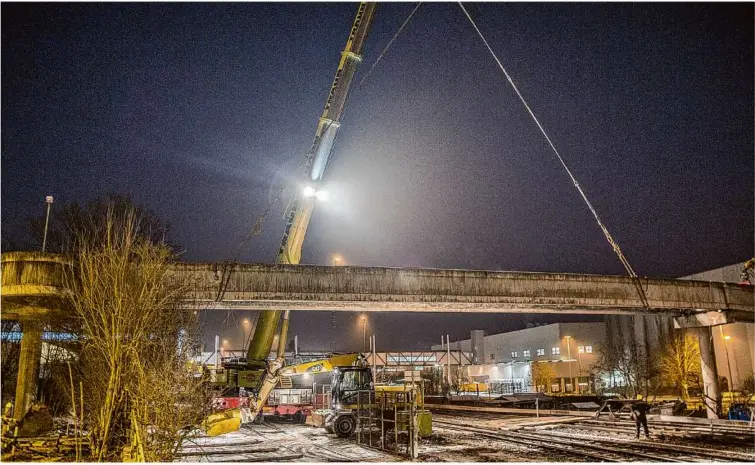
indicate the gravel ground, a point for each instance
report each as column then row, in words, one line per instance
column 453, row 446
column 620, row 435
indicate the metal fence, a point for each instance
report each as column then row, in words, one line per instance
column 388, row 421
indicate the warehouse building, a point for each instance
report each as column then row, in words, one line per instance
column 555, row 358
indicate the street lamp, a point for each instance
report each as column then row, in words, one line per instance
column 245, row 324
column 728, row 364
column 364, row 333
column 48, row 201
column 337, row 260
column 568, row 351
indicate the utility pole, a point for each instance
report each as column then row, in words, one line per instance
column 48, row 201
column 364, row 333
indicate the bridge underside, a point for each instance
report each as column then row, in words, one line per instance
column 324, row 288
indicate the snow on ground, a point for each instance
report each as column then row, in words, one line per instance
column 290, row 442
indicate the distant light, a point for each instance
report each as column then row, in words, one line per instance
column 48, row 199
column 726, row 338
column 246, row 321
column 309, row 191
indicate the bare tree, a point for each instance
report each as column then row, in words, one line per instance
column 680, row 363
column 134, row 363
column 73, row 222
column 637, row 371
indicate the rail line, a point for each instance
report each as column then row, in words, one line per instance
column 600, row 453
column 726, row 456
column 617, row 451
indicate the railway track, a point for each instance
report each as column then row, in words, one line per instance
column 610, row 451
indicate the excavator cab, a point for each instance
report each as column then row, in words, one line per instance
column 353, row 389
column 350, row 387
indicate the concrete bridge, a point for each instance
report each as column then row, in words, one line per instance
column 32, row 286
column 33, row 283
column 306, row 287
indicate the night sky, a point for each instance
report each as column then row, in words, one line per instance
column 200, row 110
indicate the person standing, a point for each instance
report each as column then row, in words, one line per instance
column 639, row 413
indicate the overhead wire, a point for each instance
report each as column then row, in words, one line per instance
column 609, row 238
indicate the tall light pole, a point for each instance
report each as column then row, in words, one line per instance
column 364, row 333
column 48, row 201
column 246, row 327
column 568, row 351
column 728, row 364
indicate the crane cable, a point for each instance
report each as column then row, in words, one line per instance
column 385, row 49
column 607, row 234
column 372, row 68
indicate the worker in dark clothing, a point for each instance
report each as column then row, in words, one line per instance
column 639, row 412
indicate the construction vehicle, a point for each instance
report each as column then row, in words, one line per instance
column 353, row 390
column 257, row 373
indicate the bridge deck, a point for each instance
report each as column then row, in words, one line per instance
column 307, row 287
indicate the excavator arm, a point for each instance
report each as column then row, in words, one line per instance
column 267, row 373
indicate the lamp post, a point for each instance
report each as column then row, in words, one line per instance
column 568, row 352
column 48, row 201
column 728, row 364
column 364, row 333
column 246, row 327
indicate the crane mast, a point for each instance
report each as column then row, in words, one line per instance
column 257, row 370
column 315, row 163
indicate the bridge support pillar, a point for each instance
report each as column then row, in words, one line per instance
column 28, row 367
column 709, row 369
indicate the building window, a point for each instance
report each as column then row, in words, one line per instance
column 555, row 350
column 581, row 349
column 492, row 357
column 540, row 351
column 588, row 349
column 514, row 354
column 527, row 353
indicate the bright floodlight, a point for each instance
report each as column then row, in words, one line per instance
column 309, row 191
column 321, row 195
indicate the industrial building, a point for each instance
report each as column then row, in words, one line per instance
column 508, row 362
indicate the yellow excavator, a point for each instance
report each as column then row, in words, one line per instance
column 256, row 372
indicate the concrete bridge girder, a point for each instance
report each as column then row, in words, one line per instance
column 306, row 287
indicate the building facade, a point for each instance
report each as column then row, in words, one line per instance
column 550, row 358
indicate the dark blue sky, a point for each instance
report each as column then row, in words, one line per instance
column 198, row 109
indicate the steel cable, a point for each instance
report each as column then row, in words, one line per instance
column 607, row 234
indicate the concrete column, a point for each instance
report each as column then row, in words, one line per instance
column 710, row 372
column 28, row 367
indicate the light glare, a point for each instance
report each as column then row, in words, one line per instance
column 309, row 191
column 321, row 195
